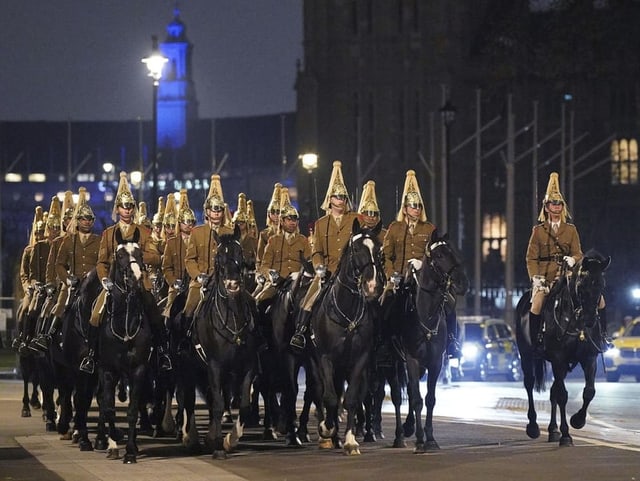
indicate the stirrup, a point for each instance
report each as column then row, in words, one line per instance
column 88, row 365
column 164, row 362
column 15, row 344
column 41, row 343
column 298, row 342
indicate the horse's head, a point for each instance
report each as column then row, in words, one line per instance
column 362, row 260
column 229, row 261
column 588, row 281
column 128, row 264
column 446, row 263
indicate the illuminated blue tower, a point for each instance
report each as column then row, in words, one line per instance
column 177, row 103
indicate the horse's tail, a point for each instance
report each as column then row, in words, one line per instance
column 540, row 374
column 403, row 379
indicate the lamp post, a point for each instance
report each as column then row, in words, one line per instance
column 310, row 163
column 155, row 63
column 448, row 115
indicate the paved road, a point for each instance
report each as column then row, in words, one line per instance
column 480, row 429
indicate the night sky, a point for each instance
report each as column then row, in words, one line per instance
column 80, row 59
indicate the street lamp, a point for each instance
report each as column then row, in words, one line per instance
column 448, row 115
column 310, row 163
column 155, row 63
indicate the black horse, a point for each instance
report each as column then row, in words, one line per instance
column 226, row 339
column 424, row 301
column 343, row 323
column 279, row 365
column 572, row 336
column 68, row 347
column 125, row 339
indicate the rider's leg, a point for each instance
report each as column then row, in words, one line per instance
column 158, row 330
column 602, row 319
column 88, row 362
column 298, row 340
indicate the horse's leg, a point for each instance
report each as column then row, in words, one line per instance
column 396, row 399
column 430, row 401
column 48, row 390
column 26, row 379
column 328, row 427
column 353, row 400
column 138, row 385
column 303, row 419
column 415, row 401
column 289, row 397
column 589, row 367
column 560, row 396
column 231, row 439
column 213, row 438
column 108, row 411
column 82, row 401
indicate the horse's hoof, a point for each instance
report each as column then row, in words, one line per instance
column 379, row 434
column 577, row 421
column 220, row 454
column 113, row 454
column 26, row 413
column 431, row 446
column 399, row 443
column 85, row 445
column 408, row 430
column 337, row 443
column 50, row 427
column 117, row 435
column 129, row 459
column 359, row 432
column 566, row 441
column 353, row 451
column 35, row 404
column 369, row 438
column 533, row 431
column 269, row 435
column 100, row 444
column 325, row 443
column 555, row 436
column 292, row 441
column 67, row 437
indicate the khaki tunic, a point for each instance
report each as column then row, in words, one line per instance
column 283, row 254
column 38, row 261
column 249, row 249
column 400, row 245
column 200, row 258
column 51, row 275
column 545, row 253
column 331, row 239
column 76, row 258
column 263, row 239
column 173, row 267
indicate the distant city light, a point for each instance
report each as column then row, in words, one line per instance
column 37, row 177
column 13, row 177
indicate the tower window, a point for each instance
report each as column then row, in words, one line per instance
column 624, row 162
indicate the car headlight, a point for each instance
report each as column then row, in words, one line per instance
column 470, row 351
column 613, row 352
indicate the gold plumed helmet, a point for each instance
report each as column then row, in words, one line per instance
column 251, row 215
column 336, row 187
column 553, row 194
column 368, row 202
column 274, row 205
column 411, row 197
column 170, row 217
column 215, row 199
column 67, row 206
column 123, row 197
column 240, row 215
column 185, row 214
column 143, row 218
column 54, row 220
column 227, row 217
column 286, row 208
column 82, row 211
column 38, row 225
column 157, row 217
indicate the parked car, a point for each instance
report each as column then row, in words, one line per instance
column 624, row 357
column 488, row 349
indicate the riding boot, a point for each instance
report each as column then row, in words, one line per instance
column 15, row 345
column 298, row 340
column 453, row 345
column 606, row 339
column 88, row 363
column 43, row 341
column 535, row 330
column 161, row 341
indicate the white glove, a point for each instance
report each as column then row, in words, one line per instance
column 395, row 279
column 202, row 278
column 260, row 279
column 321, row 271
column 274, row 275
column 177, row 284
column 416, row 264
column 570, row 261
column 538, row 282
column 107, row 283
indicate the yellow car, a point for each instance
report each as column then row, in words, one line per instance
column 624, row 357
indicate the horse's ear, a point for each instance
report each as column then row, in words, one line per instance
column 236, row 232
column 376, row 230
column 136, row 236
column 606, row 263
column 355, row 228
column 119, row 239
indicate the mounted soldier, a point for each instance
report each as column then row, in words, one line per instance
column 273, row 223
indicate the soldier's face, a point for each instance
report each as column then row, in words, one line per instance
column 215, row 216
column 169, row 229
column 413, row 211
column 370, row 220
column 289, row 224
column 125, row 212
column 274, row 215
column 186, row 227
column 85, row 224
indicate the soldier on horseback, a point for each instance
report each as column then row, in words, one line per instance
column 553, row 243
column 124, row 212
column 332, row 234
column 273, row 223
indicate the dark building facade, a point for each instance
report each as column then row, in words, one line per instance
column 538, row 86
